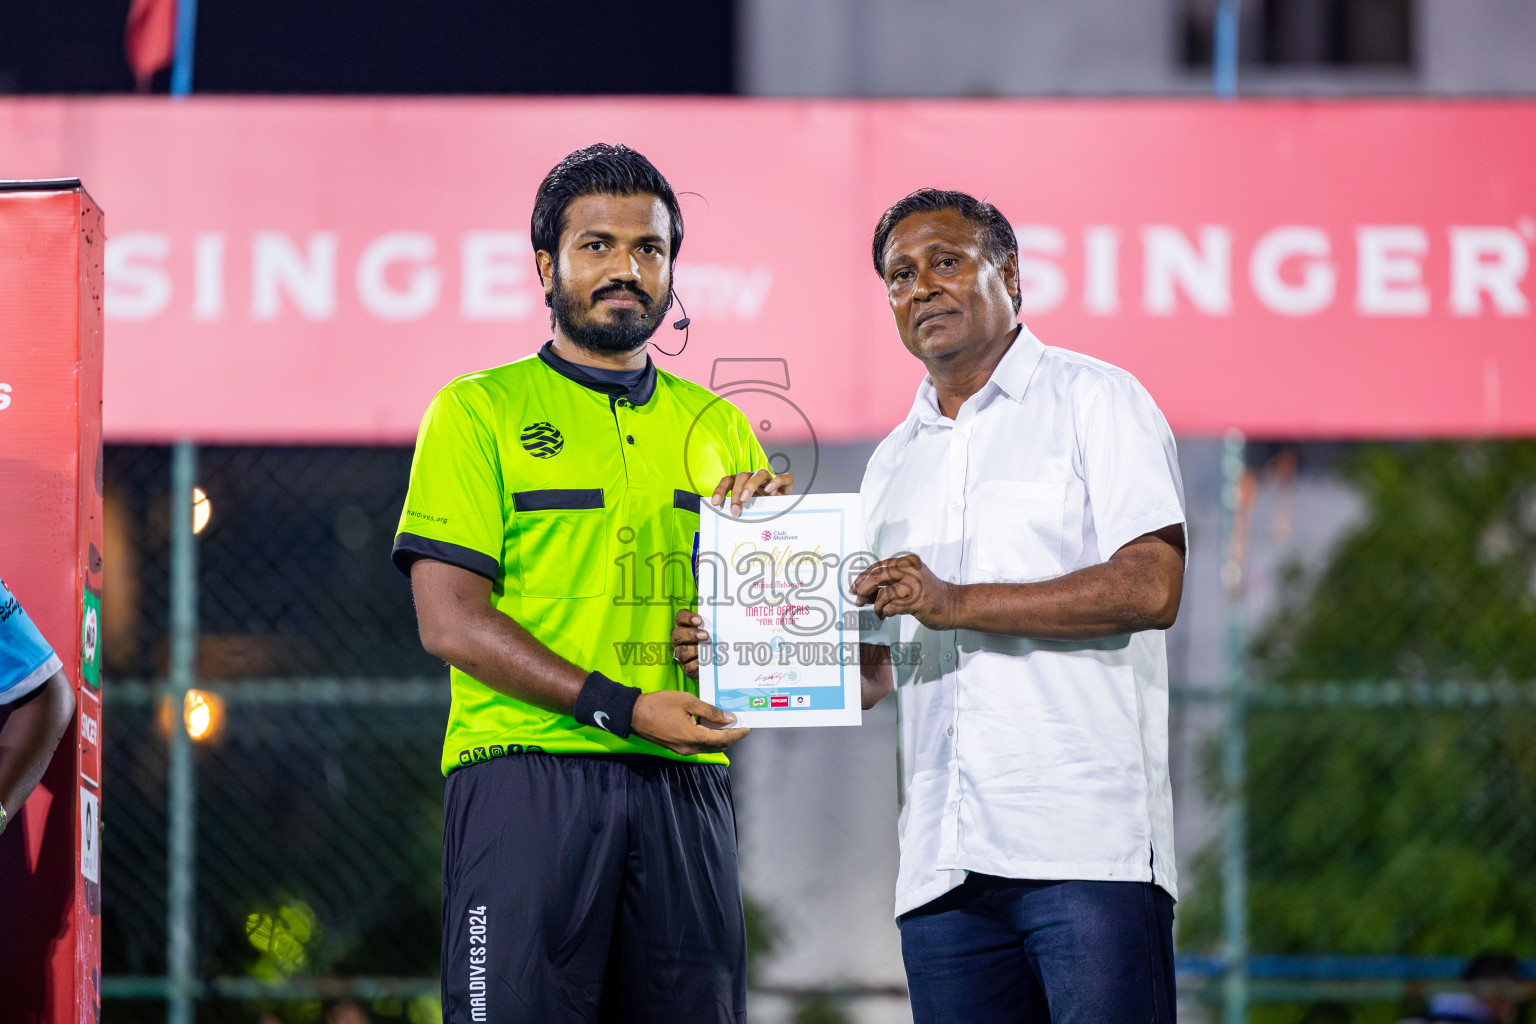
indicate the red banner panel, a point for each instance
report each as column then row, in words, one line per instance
column 310, row 270
column 50, row 556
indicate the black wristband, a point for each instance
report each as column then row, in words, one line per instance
column 605, row 704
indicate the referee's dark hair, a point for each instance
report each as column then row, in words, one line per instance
column 599, row 169
column 997, row 234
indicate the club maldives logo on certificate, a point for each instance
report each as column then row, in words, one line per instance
column 773, row 592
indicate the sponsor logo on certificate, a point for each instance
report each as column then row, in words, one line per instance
column 779, row 702
column 759, row 702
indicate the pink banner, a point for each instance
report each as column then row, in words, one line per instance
column 312, row 270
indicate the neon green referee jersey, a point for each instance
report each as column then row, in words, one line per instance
column 579, row 500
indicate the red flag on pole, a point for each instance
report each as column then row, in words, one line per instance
column 150, row 39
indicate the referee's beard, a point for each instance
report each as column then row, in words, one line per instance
column 625, row 329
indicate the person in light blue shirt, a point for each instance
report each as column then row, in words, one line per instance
column 36, row 704
column 26, row 660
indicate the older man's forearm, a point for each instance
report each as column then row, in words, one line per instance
column 1136, row 590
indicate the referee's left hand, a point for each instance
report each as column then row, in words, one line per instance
column 682, row 723
column 743, row 487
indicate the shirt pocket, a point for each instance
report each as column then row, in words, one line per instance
column 1016, row 530
column 562, row 543
column 682, row 586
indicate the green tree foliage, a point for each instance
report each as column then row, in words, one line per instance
column 1436, row 583
column 763, row 935
column 822, row 1008
column 281, row 940
column 1400, row 830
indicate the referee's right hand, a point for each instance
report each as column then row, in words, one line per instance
column 685, row 641
column 682, row 723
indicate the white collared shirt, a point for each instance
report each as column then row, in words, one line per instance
column 1028, row 758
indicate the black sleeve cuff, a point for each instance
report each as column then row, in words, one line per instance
column 606, row 704
column 409, row 547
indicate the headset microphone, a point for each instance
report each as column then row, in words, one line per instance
column 680, row 324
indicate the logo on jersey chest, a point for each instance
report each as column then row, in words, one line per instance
column 542, row 440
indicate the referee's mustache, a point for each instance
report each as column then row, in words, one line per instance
column 619, row 287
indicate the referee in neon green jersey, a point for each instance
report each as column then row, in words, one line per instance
column 589, row 849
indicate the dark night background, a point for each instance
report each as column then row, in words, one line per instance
column 386, row 46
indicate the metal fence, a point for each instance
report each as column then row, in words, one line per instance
column 1374, row 832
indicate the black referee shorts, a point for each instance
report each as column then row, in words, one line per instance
column 592, row 889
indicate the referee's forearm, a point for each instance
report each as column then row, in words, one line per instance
column 503, row 655
column 458, row 625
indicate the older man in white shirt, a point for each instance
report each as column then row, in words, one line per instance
column 1029, row 517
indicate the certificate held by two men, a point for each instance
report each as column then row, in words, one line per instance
column 773, row 593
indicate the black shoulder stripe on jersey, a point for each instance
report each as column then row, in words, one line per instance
column 557, row 500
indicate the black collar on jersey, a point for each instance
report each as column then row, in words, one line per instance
column 641, row 393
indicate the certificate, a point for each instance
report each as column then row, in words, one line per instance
column 773, row 593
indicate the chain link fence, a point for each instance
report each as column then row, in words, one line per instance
column 318, row 798
column 1385, row 716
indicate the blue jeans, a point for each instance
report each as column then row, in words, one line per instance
column 1005, row 951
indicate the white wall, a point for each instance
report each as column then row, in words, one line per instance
column 1089, row 47
column 1478, row 46
column 959, row 48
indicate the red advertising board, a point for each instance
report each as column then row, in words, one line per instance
column 50, row 555
column 313, row 269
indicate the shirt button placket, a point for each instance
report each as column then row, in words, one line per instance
column 622, row 410
column 950, row 833
column 957, row 457
column 959, row 442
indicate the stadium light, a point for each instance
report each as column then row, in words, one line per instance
column 204, row 715
column 202, row 509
